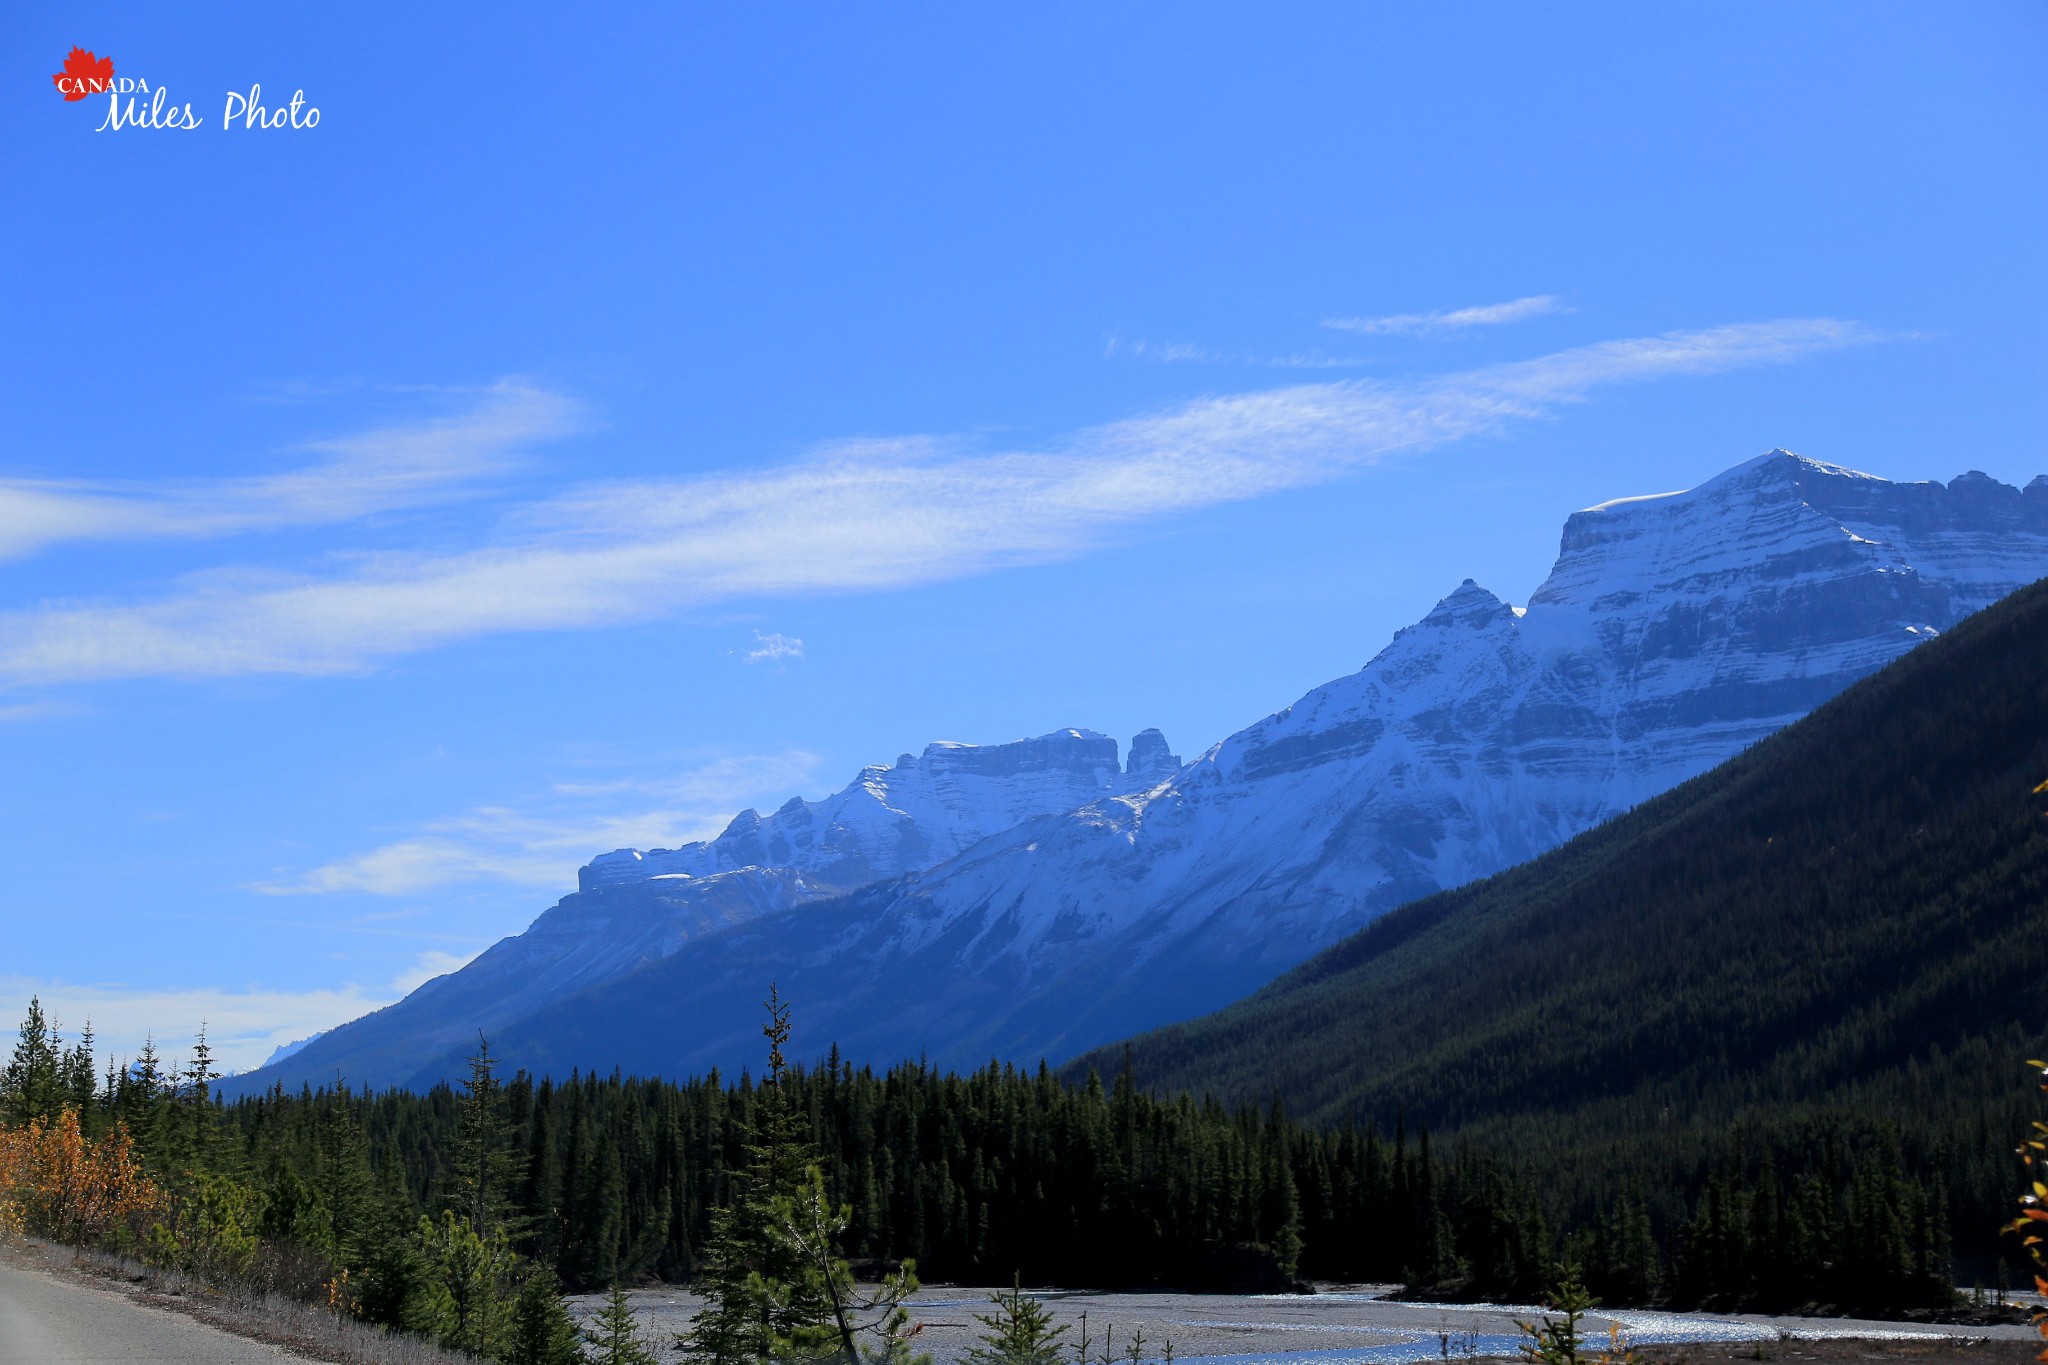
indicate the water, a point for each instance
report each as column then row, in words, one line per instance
column 1411, row 1347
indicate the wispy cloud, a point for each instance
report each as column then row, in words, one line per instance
column 1187, row 353
column 774, row 648
column 541, row 841
column 426, row 967
column 16, row 713
column 348, row 477
column 1451, row 320
column 1165, row 352
column 857, row 517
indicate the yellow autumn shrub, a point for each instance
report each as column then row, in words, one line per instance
column 56, row 1182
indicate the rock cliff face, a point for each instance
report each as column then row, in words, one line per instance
column 1031, row 899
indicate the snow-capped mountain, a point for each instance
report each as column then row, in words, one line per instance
column 633, row 907
column 1672, row 632
column 910, row 815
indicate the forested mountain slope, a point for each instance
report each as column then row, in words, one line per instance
column 1848, row 919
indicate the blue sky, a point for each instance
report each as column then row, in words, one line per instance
column 397, row 512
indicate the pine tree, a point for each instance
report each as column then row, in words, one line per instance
column 342, row 1178
column 31, row 1087
column 1019, row 1332
column 1557, row 1340
column 76, row 1081
column 543, row 1333
column 774, row 1284
column 863, row 1326
column 472, row 1289
column 752, row 1280
column 614, row 1336
column 135, row 1097
column 484, row 1167
column 200, row 1076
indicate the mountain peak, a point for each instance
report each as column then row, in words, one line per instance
column 1151, row 761
column 1672, row 632
column 1470, row 607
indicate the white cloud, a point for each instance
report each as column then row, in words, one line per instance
column 774, row 648
column 428, row 966
column 1450, row 320
column 19, row 712
column 861, row 516
column 354, row 476
column 1167, row 352
column 541, row 841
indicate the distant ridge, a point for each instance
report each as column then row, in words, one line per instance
column 1074, row 903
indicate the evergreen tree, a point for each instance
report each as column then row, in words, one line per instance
column 471, row 1287
column 860, row 1327
column 32, row 1088
column 543, row 1333
column 1557, row 1340
column 342, row 1179
column 136, row 1092
column 1019, row 1332
column 757, row 1294
column 484, row 1166
column 394, row 1285
column 614, row 1336
column 76, row 1082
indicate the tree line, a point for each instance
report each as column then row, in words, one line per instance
column 1002, row 1173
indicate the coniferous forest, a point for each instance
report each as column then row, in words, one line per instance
column 1007, row 1173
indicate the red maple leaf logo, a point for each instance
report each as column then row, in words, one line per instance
column 84, row 74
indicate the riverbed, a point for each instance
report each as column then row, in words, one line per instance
column 1344, row 1325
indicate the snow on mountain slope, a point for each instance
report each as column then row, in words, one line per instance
column 634, row 907
column 909, row 815
column 1672, row 632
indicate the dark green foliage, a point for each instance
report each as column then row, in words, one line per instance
column 614, row 1336
column 1002, row 1171
column 1840, row 929
column 969, row 1175
column 1559, row 1339
column 759, row 1302
column 1019, row 1332
column 33, row 1085
column 775, row 1284
column 543, row 1333
column 485, row 1165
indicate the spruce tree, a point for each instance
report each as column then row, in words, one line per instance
column 484, row 1167
column 1558, row 1340
column 753, row 1281
column 774, row 1284
column 1019, row 1332
column 856, row 1325
column 77, row 1083
column 135, row 1097
column 614, row 1335
column 342, row 1178
column 542, row 1332
column 31, row 1087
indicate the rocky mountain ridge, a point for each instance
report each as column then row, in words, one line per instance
column 1672, row 632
